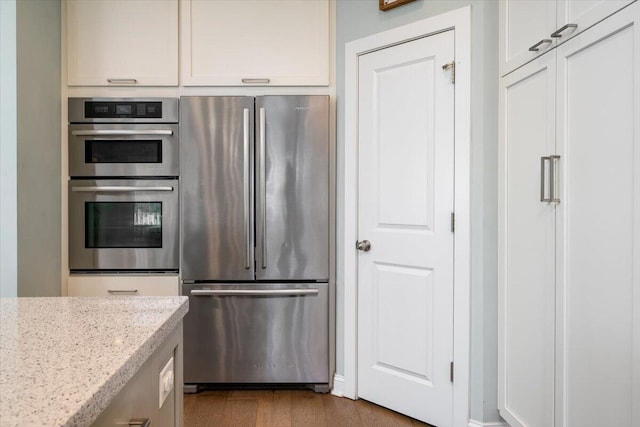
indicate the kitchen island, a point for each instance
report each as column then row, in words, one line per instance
column 90, row 360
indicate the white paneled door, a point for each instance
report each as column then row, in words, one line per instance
column 406, row 194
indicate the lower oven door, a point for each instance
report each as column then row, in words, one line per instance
column 124, row 225
column 256, row 333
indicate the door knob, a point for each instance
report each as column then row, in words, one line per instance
column 363, row 245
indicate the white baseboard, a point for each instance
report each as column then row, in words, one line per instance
column 474, row 423
column 338, row 385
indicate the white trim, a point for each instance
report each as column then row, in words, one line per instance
column 338, row 386
column 474, row 423
column 460, row 21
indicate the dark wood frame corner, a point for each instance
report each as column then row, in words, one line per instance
column 391, row 4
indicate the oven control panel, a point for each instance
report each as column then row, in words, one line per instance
column 115, row 110
column 123, row 110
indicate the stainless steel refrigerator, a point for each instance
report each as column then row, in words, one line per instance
column 255, row 239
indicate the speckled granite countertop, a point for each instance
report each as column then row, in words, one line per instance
column 62, row 360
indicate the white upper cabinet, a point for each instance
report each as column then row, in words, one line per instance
column 525, row 33
column 530, row 28
column 122, row 43
column 255, row 42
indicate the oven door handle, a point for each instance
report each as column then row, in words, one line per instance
column 121, row 132
column 117, row 189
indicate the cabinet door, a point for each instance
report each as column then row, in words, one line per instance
column 523, row 25
column 118, row 42
column 255, row 42
column 598, row 276
column 583, row 14
column 526, row 247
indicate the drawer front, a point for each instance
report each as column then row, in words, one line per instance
column 94, row 286
column 257, row 333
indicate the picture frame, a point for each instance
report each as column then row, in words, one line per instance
column 385, row 5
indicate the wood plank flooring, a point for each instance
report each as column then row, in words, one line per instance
column 285, row 408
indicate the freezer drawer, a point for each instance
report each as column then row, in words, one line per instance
column 256, row 333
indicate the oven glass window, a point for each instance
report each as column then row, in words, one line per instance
column 123, row 224
column 138, row 151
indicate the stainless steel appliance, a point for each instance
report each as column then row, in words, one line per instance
column 255, row 239
column 123, row 186
column 123, row 137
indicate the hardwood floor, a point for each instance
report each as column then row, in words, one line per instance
column 285, row 408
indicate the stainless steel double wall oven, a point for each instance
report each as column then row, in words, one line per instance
column 123, row 186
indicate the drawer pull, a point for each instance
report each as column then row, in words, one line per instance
column 123, row 81
column 536, row 47
column 558, row 33
column 256, row 81
column 122, row 291
column 141, row 422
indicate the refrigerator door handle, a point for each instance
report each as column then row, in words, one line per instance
column 253, row 292
column 263, row 187
column 247, row 194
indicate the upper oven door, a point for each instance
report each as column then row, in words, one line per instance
column 123, row 150
column 123, row 224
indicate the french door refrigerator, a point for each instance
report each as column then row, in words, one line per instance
column 255, row 239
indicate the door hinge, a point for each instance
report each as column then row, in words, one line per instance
column 451, row 372
column 451, row 66
column 453, row 222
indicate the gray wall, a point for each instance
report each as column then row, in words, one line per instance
column 39, row 153
column 360, row 18
column 8, row 210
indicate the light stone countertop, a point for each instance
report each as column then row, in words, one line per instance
column 62, row 360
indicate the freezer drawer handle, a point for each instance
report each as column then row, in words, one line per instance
column 117, row 189
column 121, row 132
column 253, row 292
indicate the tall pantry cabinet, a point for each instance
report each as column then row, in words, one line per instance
column 569, row 238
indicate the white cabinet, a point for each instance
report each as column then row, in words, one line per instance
column 255, row 42
column 140, row 399
column 569, row 270
column 527, row 273
column 122, row 42
column 93, row 285
column 529, row 28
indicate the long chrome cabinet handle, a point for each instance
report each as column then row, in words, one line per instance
column 125, row 81
column 558, row 33
column 553, row 185
column 247, row 195
column 117, row 189
column 536, row 47
column 251, row 292
column 263, row 186
column 122, row 291
column 120, row 132
column 543, row 161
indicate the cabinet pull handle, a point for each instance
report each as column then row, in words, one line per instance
column 558, row 33
column 543, row 160
column 123, row 81
column 256, row 81
column 122, row 291
column 141, row 422
column 553, row 190
column 536, row 47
